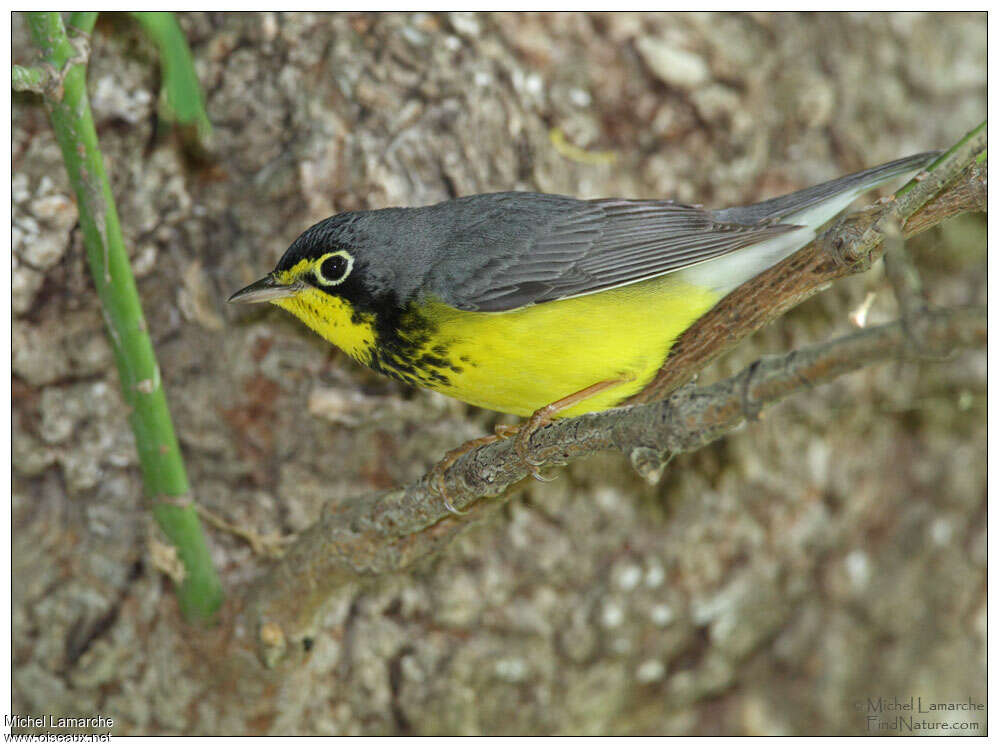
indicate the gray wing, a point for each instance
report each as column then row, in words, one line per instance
column 590, row 246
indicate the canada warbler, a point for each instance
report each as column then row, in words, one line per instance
column 531, row 303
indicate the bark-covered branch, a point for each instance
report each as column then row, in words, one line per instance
column 387, row 532
column 384, row 533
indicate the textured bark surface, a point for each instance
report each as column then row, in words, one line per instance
column 831, row 553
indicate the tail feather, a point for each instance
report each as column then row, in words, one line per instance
column 786, row 207
column 809, row 209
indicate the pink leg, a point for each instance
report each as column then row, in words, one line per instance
column 544, row 416
column 538, row 420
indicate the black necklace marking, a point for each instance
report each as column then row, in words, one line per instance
column 402, row 335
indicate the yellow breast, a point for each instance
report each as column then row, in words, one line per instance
column 522, row 360
column 519, row 361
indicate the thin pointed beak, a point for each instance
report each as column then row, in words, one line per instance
column 265, row 289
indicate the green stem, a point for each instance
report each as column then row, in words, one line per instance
column 183, row 102
column 978, row 132
column 83, row 20
column 163, row 473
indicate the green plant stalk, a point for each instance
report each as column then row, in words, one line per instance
column 979, row 132
column 83, row 20
column 164, row 476
column 184, row 102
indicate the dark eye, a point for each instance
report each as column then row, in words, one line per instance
column 334, row 268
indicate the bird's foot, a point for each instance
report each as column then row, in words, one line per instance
column 544, row 416
column 436, row 478
column 522, row 445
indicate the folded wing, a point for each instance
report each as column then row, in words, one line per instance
column 595, row 245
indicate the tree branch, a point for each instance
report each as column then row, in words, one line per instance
column 371, row 536
column 385, row 533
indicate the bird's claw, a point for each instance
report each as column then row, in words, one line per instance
column 436, row 479
column 522, row 446
column 436, row 482
column 538, row 475
column 450, row 507
column 437, row 486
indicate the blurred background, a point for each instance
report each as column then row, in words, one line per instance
column 770, row 583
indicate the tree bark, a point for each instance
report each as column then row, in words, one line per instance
column 771, row 580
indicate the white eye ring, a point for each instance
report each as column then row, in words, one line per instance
column 317, row 269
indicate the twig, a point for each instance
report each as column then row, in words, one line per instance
column 271, row 545
column 903, row 276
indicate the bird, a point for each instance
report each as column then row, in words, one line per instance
column 538, row 305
